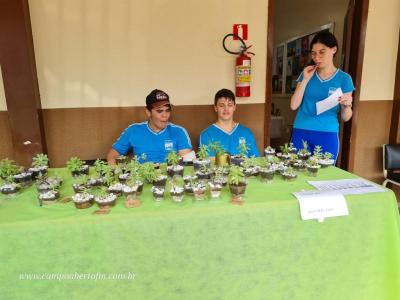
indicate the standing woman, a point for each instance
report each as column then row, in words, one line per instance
column 314, row 84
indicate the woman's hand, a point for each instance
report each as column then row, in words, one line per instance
column 346, row 100
column 298, row 94
column 308, row 72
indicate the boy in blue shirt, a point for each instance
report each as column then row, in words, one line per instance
column 225, row 130
column 156, row 137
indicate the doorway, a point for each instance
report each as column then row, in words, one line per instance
column 287, row 20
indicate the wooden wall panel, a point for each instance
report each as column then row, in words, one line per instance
column 90, row 132
column 21, row 88
column 6, row 144
column 372, row 132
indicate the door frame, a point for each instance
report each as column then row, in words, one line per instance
column 358, row 30
column 394, row 135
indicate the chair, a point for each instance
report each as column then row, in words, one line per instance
column 391, row 164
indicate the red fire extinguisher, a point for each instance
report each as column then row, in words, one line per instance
column 243, row 75
column 243, row 68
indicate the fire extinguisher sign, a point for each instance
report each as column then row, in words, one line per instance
column 240, row 30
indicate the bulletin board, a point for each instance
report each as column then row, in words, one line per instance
column 290, row 58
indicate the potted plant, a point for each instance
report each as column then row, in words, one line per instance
column 267, row 172
column 326, row 160
column 297, row 163
column 292, row 148
column 289, row 174
column 220, row 179
column 134, row 183
column 221, row 157
column 84, row 199
column 215, row 189
column 177, row 188
column 77, row 166
column 45, row 184
column 104, row 199
column 160, row 179
column 312, row 167
column 189, row 181
column 204, row 173
column 113, row 186
column 148, row 172
column 40, row 165
column 55, row 180
column 24, row 178
column 250, row 167
column 130, row 190
column 49, row 196
column 304, row 153
column 9, row 187
column 152, row 175
column 7, row 168
column 174, row 168
column 80, row 184
column 136, row 175
column 269, row 151
column 158, row 192
column 221, row 175
column 202, row 158
column 243, row 149
column 98, row 167
column 199, row 190
column 189, row 178
column 237, row 183
column 126, row 169
column 285, row 152
column 317, row 153
column 122, row 159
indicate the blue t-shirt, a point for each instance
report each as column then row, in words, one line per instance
column 317, row 90
column 156, row 145
column 230, row 141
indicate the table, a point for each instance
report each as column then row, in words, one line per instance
column 205, row 250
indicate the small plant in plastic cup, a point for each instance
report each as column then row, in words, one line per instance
column 312, row 167
column 158, row 193
column 177, row 188
column 215, row 189
column 199, row 191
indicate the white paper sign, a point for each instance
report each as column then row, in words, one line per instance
column 329, row 102
column 347, row 186
column 319, row 205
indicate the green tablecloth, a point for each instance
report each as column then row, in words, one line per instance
column 208, row 250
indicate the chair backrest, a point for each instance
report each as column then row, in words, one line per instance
column 391, row 155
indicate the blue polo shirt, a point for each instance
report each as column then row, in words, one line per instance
column 317, row 90
column 230, row 141
column 156, row 145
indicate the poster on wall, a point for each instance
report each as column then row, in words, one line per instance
column 277, row 68
column 289, row 60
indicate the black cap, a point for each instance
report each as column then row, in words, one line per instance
column 157, row 98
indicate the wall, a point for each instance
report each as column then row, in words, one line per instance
column 111, row 53
column 295, row 18
column 380, row 52
column 377, row 87
column 98, row 59
column 5, row 130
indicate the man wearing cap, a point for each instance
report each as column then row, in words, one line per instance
column 156, row 137
column 225, row 130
